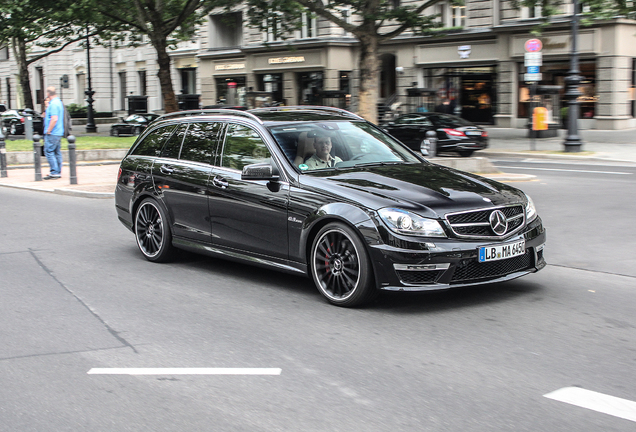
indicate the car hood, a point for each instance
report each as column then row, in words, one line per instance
column 428, row 189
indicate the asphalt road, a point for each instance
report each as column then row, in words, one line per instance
column 76, row 295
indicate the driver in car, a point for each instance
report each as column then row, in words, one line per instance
column 322, row 158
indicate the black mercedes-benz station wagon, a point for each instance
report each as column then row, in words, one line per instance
column 323, row 192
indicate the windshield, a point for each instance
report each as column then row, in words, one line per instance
column 338, row 144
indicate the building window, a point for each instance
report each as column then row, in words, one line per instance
column 122, row 90
column 531, row 12
column 309, row 27
column 274, row 29
column 143, row 83
column 226, row 30
column 4, row 53
column 451, row 15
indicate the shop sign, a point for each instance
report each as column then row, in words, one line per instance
column 229, row 66
column 464, row 51
column 286, row 60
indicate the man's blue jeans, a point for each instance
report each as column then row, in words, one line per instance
column 53, row 153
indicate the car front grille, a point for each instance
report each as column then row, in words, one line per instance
column 476, row 223
column 473, row 270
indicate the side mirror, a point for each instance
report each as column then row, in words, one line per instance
column 260, row 171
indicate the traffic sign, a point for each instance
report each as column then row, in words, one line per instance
column 533, row 69
column 533, row 45
column 533, row 77
column 533, row 59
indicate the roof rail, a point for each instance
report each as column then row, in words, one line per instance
column 340, row 111
column 211, row 111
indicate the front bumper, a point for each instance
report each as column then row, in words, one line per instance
column 449, row 263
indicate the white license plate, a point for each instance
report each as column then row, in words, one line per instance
column 473, row 133
column 504, row 251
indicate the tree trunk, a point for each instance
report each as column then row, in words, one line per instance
column 165, row 80
column 369, row 77
column 20, row 53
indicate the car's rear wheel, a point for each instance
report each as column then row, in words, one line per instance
column 137, row 131
column 466, row 153
column 153, row 232
column 13, row 130
column 340, row 266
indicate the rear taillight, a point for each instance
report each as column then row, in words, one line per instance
column 484, row 133
column 21, row 119
column 454, row 132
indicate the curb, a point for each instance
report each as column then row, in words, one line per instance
column 530, row 155
column 84, row 194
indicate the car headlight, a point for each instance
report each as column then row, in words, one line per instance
column 531, row 210
column 405, row 222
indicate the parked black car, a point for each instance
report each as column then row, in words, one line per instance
column 13, row 121
column 454, row 134
column 134, row 124
column 239, row 185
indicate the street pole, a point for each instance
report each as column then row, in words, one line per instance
column 90, row 121
column 573, row 141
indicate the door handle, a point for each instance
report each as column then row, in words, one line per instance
column 166, row 169
column 220, row 182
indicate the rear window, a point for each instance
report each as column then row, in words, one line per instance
column 448, row 120
column 152, row 143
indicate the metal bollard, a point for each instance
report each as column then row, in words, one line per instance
column 72, row 158
column 37, row 157
column 3, row 156
column 429, row 144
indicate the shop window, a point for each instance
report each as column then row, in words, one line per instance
column 554, row 73
column 231, row 91
column 226, row 30
column 272, row 84
column 310, row 86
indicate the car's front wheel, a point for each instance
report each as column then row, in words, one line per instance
column 340, row 266
column 153, row 232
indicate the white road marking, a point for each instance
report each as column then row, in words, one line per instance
column 185, row 371
column 565, row 170
column 599, row 402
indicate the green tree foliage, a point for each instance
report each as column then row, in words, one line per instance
column 372, row 23
column 35, row 29
column 164, row 22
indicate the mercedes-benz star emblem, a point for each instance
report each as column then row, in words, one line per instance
column 498, row 222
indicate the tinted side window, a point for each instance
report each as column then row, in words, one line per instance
column 243, row 146
column 171, row 150
column 200, row 143
column 152, row 144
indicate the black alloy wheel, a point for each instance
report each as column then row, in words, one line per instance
column 340, row 266
column 13, row 130
column 136, row 131
column 152, row 232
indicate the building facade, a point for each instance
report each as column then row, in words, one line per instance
column 477, row 63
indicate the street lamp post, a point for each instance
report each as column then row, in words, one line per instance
column 90, row 121
column 573, row 141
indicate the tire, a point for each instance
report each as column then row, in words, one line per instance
column 466, row 153
column 152, row 232
column 136, row 131
column 340, row 266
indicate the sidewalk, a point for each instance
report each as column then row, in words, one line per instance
column 97, row 179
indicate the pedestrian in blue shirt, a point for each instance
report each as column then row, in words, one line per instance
column 53, row 133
